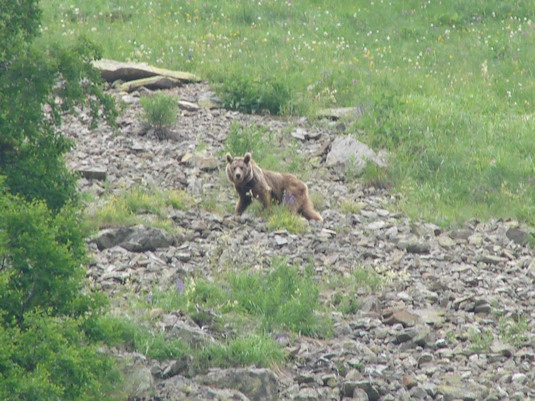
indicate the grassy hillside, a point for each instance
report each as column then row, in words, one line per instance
column 448, row 86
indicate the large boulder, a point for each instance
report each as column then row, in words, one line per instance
column 346, row 152
column 112, row 70
column 135, row 239
column 256, row 384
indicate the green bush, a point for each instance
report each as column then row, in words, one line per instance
column 41, row 255
column 283, row 298
column 44, row 312
column 48, row 359
column 159, row 110
column 31, row 145
column 45, row 353
column 249, row 95
column 133, row 336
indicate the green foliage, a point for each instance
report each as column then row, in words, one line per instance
column 350, row 206
column 368, row 279
column 514, row 331
column 283, row 298
column 252, row 349
column 44, row 310
column 129, row 207
column 249, row 95
column 159, row 110
column 480, row 340
column 281, row 218
column 252, row 138
column 40, row 255
column 133, row 336
column 31, row 145
column 47, row 359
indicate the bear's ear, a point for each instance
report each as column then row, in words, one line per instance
column 229, row 158
column 247, row 158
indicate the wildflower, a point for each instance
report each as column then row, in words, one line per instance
column 179, row 285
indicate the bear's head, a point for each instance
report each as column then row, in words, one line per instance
column 239, row 169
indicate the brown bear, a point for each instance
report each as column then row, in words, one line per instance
column 251, row 182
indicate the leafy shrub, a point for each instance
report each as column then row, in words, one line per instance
column 249, row 95
column 41, row 255
column 45, row 360
column 45, row 353
column 159, row 110
column 283, row 298
column 479, row 340
column 31, row 145
column 514, row 330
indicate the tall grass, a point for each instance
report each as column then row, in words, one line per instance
column 448, row 87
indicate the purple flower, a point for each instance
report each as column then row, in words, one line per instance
column 288, row 199
column 179, row 285
column 149, row 298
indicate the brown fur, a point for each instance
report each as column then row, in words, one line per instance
column 268, row 186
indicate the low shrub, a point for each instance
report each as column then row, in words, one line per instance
column 250, row 95
column 159, row 110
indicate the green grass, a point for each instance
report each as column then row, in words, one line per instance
column 241, row 310
column 136, row 205
column 285, row 298
column 281, row 218
column 265, row 148
column 447, row 87
column 160, row 110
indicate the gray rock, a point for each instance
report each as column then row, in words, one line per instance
column 518, row 236
column 347, row 152
column 307, row 394
column 360, row 395
column 351, row 113
column 93, row 173
column 112, row 70
column 492, row 259
column 144, row 239
column 111, row 237
column 416, row 246
column 138, row 380
column 256, row 384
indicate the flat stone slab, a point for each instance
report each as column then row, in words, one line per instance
column 112, row 70
column 156, row 82
column 341, row 112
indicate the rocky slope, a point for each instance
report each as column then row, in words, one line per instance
column 418, row 338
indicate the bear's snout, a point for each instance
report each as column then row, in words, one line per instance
column 238, row 175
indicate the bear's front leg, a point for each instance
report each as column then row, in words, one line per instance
column 243, row 202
